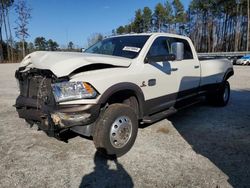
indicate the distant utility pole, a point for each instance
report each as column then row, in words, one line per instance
column 248, row 25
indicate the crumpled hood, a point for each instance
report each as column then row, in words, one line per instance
column 64, row 63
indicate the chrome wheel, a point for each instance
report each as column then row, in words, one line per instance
column 120, row 132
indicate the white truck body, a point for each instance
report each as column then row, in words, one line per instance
column 157, row 85
column 136, row 71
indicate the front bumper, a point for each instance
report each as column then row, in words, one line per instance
column 56, row 118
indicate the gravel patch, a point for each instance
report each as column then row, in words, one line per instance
column 201, row 146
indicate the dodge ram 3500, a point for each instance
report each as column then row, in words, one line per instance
column 116, row 84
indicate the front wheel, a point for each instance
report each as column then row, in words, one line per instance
column 221, row 97
column 116, row 130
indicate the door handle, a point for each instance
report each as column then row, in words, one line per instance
column 174, row 69
column 196, row 66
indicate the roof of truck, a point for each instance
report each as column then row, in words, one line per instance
column 150, row 34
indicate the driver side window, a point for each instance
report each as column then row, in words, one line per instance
column 160, row 47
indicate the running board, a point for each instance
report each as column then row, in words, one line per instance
column 188, row 104
column 170, row 111
column 159, row 116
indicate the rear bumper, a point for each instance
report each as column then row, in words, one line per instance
column 54, row 119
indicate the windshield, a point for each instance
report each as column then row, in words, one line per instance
column 123, row 46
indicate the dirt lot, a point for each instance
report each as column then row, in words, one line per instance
column 202, row 146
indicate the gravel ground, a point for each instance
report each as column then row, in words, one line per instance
column 201, row 146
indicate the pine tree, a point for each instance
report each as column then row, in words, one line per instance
column 179, row 14
column 120, row 30
column 138, row 21
column 160, row 14
column 40, row 43
column 146, row 17
column 169, row 15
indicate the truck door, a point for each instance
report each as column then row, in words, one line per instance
column 188, row 71
column 168, row 81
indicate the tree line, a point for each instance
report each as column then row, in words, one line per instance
column 42, row 44
column 14, row 51
column 213, row 25
column 9, row 49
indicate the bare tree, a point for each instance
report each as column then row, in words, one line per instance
column 94, row 38
column 11, row 38
column 1, row 37
column 4, row 20
column 22, row 21
column 237, row 33
column 248, row 17
column 5, row 27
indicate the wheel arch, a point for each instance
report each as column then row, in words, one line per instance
column 228, row 74
column 126, row 90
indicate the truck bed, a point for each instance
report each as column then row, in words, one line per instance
column 204, row 58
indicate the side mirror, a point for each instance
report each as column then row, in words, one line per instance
column 178, row 50
column 159, row 58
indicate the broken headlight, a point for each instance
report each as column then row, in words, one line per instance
column 65, row 91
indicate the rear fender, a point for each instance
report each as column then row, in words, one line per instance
column 228, row 74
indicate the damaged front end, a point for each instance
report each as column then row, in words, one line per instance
column 37, row 105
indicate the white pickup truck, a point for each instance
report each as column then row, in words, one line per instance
column 116, row 84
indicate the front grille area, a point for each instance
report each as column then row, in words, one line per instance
column 36, row 101
column 23, row 86
column 36, row 87
column 39, row 88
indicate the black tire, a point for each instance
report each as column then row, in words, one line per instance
column 221, row 96
column 117, row 121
